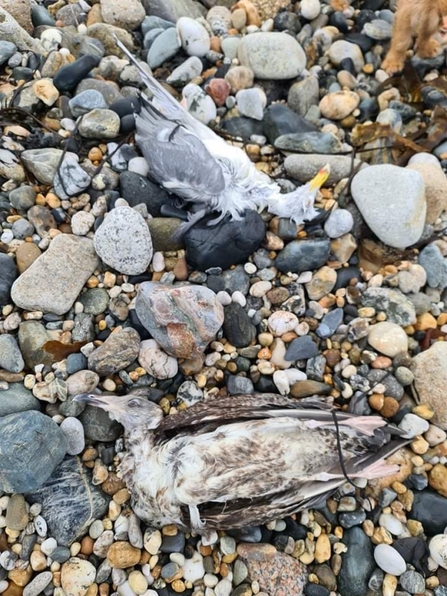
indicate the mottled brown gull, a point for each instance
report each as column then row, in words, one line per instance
column 241, row 460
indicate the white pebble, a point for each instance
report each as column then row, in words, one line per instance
column 48, row 546
column 193, row 568
column 391, row 523
column 310, row 9
column 250, row 268
column 281, row 322
column 41, row 525
column 239, row 298
column 138, row 165
column 193, row 37
column 438, row 550
column 224, row 298
column 413, row 426
column 81, row 222
column 389, row 560
column 281, row 381
column 260, row 288
column 74, row 432
column 158, row 262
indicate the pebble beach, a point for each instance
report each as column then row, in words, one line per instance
column 350, row 307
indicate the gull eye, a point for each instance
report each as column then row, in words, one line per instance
column 133, row 403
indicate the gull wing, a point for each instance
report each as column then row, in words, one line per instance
column 177, row 158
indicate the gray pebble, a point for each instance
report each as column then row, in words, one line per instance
column 38, row 584
column 74, row 432
column 339, row 223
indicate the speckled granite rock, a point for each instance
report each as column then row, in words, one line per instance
column 278, row 574
column 183, row 320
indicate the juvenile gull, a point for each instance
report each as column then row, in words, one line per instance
column 191, row 161
column 242, row 460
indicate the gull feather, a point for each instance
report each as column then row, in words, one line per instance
column 241, row 460
column 191, row 161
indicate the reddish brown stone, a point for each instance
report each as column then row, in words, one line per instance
column 219, row 90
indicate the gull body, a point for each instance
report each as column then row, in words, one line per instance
column 191, row 161
column 240, row 460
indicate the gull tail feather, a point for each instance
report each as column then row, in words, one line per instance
column 162, row 100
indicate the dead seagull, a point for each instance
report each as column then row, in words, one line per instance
column 242, row 460
column 191, row 161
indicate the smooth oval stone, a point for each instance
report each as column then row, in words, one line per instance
column 392, row 201
column 388, row 559
column 69, row 76
column 225, row 244
column 238, row 328
column 356, row 571
column 183, row 320
column 303, row 255
column 32, row 445
column 274, row 56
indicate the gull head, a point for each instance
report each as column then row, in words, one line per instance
column 132, row 411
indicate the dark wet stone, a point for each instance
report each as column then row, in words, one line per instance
column 281, row 120
column 345, row 275
column 237, row 385
column 349, row 519
column 356, row 570
column 8, row 273
column 76, row 362
column 70, row 502
column 60, row 554
column 69, row 76
column 303, row 255
column 32, row 445
column 40, row 16
column 95, row 301
column 28, row 542
column 316, row 590
column 302, row 348
column 243, row 127
column 413, row 550
column 248, row 534
column 225, row 244
column 136, row 189
column 430, row 509
column 330, row 322
column 287, row 21
column 359, row 39
column 417, row 481
column 308, row 142
column 230, row 281
column 17, row 399
column 98, row 426
column 338, row 19
column 265, row 384
column 173, row 544
column 238, row 328
column 7, row 49
column 124, row 107
column 392, row 386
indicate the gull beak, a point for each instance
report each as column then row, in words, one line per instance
column 320, row 178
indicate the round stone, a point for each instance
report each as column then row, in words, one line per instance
column 193, row 37
column 389, row 560
column 74, row 431
column 388, row 338
column 339, row 223
column 438, row 550
column 339, row 104
column 123, row 241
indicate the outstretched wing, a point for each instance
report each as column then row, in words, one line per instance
column 177, row 158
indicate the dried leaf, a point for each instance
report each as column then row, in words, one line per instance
column 60, row 351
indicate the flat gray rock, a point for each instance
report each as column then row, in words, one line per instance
column 31, row 445
column 123, row 241
column 70, row 502
column 276, row 56
column 392, row 201
column 71, row 179
column 305, row 167
column 42, row 163
column 119, row 350
column 53, row 282
column 398, row 308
